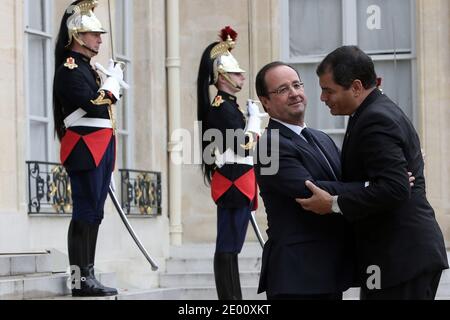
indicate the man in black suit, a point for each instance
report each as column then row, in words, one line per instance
column 307, row 256
column 400, row 248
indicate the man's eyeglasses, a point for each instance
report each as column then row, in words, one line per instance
column 284, row 90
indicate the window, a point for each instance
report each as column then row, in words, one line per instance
column 123, row 47
column 382, row 28
column 38, row 77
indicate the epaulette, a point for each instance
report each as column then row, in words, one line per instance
column 218, row 101
column 70, row 63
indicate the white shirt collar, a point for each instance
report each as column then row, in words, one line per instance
column 293, row 127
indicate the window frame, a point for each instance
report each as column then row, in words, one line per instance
column 127, row 58
column 350, row 37
column 47, row 35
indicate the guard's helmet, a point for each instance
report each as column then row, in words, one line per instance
column 82, row 19
column 216, row 60
column 223, row 60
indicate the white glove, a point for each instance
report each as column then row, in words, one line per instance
column 112, row 85
column 254, row 117
column 115, row 78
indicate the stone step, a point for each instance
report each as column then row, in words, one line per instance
column 42, row 285
column 248, row 293
column 202, row 279
column 22, row 264
column 33, row 286
column 193, row 293
column 204, row 293
column 178, row 265
column 70, row 298
column 199, row 251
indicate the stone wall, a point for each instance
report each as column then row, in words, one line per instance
column 433, row 64
column 200, row 26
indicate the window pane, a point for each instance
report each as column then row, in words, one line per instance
column 36, row 14
column 387, row 26
column 38, row 141
column 121, row 114
column 120, row 27
column 397, row 83
column 36, row 76
column 121, row 151
column 338, row 138
column 315, row 26
column 317, row 114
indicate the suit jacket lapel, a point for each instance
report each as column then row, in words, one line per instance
column 333, row 161
column 303, row 145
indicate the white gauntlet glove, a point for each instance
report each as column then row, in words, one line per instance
column 115, row 78
column 254, row 117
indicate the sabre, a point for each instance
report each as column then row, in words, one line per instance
column 127, row 224
column 257, row 231
column 111, row 191
column 111, row 37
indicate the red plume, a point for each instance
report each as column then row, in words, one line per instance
column 228, row 31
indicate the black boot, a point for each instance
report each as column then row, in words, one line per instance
column 79, row 247
column 226, row 273
column 93, row 233
column 236, row 278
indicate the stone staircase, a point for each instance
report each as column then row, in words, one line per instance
column 29, row 276
column 188, row 276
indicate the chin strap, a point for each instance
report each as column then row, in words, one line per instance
column 81, row 43
column 229, row 80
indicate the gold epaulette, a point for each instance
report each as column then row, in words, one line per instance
column 70, row 63
column 218, row 101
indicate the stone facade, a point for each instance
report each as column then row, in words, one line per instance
column 200, row 21
column 433, row 81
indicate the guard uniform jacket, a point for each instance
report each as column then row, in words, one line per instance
column 77, row 86
column 233, row 185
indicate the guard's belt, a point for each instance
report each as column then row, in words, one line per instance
column 76, row 119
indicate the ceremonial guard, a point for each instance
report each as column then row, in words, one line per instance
column 84, row 124
column 229, row 170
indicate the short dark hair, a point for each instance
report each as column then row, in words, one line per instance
column 260, row 83
column 349, row 63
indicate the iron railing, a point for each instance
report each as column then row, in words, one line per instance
column 141, row 192
column 49, row 190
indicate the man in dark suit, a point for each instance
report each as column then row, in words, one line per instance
column 400, row 248
column 307, row 256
